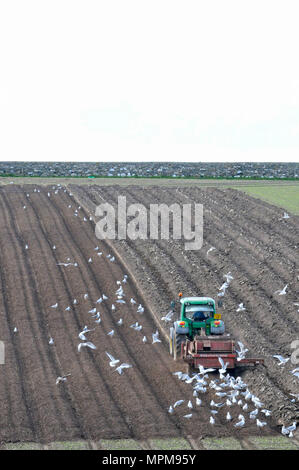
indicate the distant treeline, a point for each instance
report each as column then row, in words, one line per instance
column 206, row 177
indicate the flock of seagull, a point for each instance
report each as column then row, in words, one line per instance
column 232, row 392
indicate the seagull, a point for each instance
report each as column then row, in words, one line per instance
column 113, row 361
column 121, row 367
column 133, row 301
column 168, row 317
column 85, row 296
column 223, row 367
column 120, row 321
column 242, row 352
column 75, row 301
column 178, row 403
column 295, row 372
column 283, row 291
column 285, row 215
column 203, row 371
column 257, row 402
column 155, row 337
column 281, row 359
column 241, row 422
column 170, row 409
column 26, row 247
column 212, row 420
column 88, row 344
column 54, row 306
column 111, row 333
column 188, row 416
column 93, row 310
column 62, row 379
column 51, row 341
column 104, row 297
column 140, row 309
column 112, row 259
column 90, row 260
column 67, row 309
column 144, row 339
column 228, row 416
column 241, row 308
column 99, row 301
column 190, row 404
column 113, row 307
column 15, row 329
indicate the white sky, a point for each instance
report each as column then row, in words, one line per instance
column 154, row 80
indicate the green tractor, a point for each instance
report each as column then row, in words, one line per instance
column 198, row 317
column 198, row 336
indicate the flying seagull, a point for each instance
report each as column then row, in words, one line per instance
column 88, row 344
column 283, row 291
column 113, row 361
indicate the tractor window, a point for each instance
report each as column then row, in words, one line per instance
column 200, row 312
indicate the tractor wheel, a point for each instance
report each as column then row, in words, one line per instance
column 177, row 345
column 217, row 330
column 171, row 341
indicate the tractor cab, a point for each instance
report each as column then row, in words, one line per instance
column 199, row 313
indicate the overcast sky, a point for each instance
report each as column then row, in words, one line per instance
column 149, row 80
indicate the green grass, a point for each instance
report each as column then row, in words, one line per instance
column 119, row 444
column 69, row 445
column 170, row 444
column 227, row 443
column 23, row 446
column 273, row 443
column 286, row 197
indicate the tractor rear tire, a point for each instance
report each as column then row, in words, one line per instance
column 177, row 345
column 217, row 330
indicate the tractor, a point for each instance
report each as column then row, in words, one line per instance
column 199, row 338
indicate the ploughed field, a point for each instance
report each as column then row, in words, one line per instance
column 40, row 299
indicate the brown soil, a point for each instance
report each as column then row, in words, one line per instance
column 96, row 402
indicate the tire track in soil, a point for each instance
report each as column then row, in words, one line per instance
column 45, row 354
column 252, row 325
column 24, row 381
column 248, row 270
column 288, row 323
column 93, row 388
column 164, row 248
column 68, row 410
column 164, row 411
column 130, row 352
